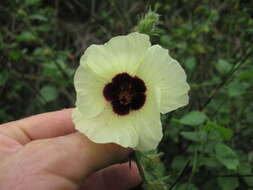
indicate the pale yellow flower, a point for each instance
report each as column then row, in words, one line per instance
column 122, row 87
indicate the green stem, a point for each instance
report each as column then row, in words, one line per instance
column 137, row 158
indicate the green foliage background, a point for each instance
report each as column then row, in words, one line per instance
column 208, row 144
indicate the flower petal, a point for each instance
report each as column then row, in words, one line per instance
column 151, row 134
column 89, row 88
column 107, row 128
column 120, row 54
column 160, row 70
column 147, row 123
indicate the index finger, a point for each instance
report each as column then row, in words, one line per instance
column 46, row 125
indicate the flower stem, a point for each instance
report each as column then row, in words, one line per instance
column 137, row 158
column 152, row 170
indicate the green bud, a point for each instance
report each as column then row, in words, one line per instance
column 147, row 24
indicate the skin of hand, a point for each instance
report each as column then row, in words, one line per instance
column 45, row 152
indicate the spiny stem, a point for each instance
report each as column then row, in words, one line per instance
column 139, row 165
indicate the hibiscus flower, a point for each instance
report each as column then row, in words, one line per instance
column 122, row 87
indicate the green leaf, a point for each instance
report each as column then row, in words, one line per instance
column 228, row 183
column 39, row 17
column 199, row 48
column 247, row 75
column 223, row 66
column 32, row 2
column 179, row 162
column 211, row 162
column 190, row 63
column 186, row 187
column 245, row 169
column 193, row 118
column 1, row 41
column 225, row 133
column 15, row 55
column 226, row 156
column 26, row 36
column 198, row 136
column 49, row 93
column 165, row 41
column 210, row 184
column 3, row 77
column 236, row 89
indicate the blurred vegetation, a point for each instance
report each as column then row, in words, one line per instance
column 208, row 144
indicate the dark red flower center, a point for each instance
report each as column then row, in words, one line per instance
column 125, row 93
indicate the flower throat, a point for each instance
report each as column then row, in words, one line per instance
column 125, row 93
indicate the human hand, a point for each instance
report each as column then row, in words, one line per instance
column 44, row 152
